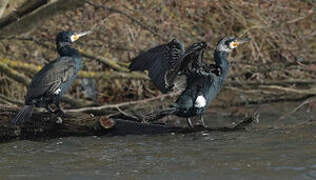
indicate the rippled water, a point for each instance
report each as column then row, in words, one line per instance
column 258, row 153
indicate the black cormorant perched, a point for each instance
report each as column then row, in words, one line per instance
column 203, row 81
column 51, row 82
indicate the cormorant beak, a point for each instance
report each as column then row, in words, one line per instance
column 242, row 40
column 238, row 41
column 84, row 33
column 76, row 36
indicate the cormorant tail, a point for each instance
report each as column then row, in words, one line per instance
column 154, row 116
column 24, row 114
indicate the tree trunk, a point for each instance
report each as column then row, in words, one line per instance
column 43, row 125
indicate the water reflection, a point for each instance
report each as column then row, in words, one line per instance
column 259, row 153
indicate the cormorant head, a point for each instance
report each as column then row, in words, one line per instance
column 227, row 44
column 67, row 36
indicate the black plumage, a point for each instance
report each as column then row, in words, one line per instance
column 203, row 81
column 51, row 82
column 165, row 62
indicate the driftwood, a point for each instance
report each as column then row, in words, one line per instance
column 43, row 125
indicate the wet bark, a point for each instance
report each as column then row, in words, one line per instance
column 43, row 125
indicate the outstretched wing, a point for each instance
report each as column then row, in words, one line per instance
column 162, row 62
column 193, row 58
column 191, row 65
column 52, row 77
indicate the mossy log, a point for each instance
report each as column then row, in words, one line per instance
column 43, row 126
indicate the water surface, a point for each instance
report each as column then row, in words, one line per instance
column 262, row 152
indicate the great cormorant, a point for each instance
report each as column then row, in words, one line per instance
column 203, row 81
column 51, row 82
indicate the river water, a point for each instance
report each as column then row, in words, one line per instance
column 272, row 149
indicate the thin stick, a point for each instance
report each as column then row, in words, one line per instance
column 109, row 106
column 136, row 21
column 296, row 109
column 3, row 5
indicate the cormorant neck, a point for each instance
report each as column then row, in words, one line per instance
column 221, row 61
column 66, row 49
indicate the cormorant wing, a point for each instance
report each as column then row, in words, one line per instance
column 191, row 64
column 193, row 58
column 163, row 63
column 49, row 80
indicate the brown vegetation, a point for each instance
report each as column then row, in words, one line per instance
column 278, row 64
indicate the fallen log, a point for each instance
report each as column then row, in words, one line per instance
column 43, row 126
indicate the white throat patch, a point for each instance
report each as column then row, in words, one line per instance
column 57, row 91
column 200, row 102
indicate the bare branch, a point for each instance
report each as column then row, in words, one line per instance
column 107, row 61
column 31, row 13
column 134, row 20
column 107, row 75
column 3, row 5
column 307, row 101
column 11, row 100
column 311, row 91
column 109, row 106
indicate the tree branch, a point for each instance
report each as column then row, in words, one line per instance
column 107, row 61
column 107, row 75
column 311, row 91
column 25, row 9
column 111, row 106
column 31, row 13
column 3, row 5
column 10, row 100
column 134, row 20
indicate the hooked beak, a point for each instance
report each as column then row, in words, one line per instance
column 76, row 36
column 242, row 40
column 83, row 33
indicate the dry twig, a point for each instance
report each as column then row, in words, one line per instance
column 134, row 20
column 109, row 106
